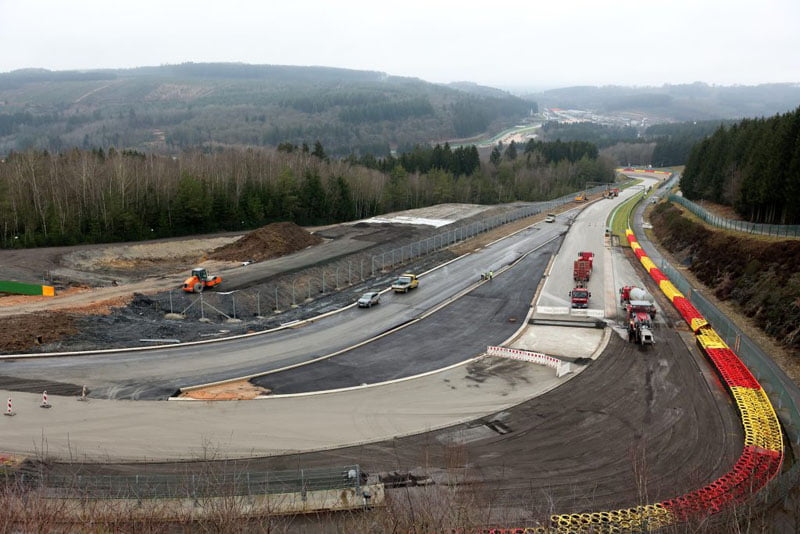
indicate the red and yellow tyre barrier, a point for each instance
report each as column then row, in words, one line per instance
column 761, row 458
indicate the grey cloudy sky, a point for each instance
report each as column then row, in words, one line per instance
column 529, row 43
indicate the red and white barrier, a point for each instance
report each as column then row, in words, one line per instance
column 10, row 408
column 45, row 403
column 562, row 368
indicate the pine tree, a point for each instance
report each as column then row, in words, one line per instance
column 495, row 157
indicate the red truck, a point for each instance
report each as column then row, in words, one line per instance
column 580, row 297
column 582, row 268
column 581, row 272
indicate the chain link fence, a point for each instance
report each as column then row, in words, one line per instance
column 778, row 230
column 195, row 484
column 356, row 272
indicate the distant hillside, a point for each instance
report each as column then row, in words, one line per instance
column 696, row 101
column 174, row 107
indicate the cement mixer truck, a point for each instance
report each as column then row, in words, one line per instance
column 640, row 313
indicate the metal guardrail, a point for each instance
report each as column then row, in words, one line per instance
column 194, row 485
column 778, row 230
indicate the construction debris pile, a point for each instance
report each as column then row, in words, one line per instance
column 273, row 240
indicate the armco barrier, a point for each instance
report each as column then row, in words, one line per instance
column 562, row 368
column 758, row 465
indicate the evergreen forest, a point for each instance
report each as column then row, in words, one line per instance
column 90, row 196
column 753, row 165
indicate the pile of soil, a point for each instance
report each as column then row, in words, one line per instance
column 760, row 275
column 24, row 332
column 271, row 241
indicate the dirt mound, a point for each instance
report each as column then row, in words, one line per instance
column 24, row 332
column 271, row 241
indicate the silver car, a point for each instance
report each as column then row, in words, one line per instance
column 368, row 299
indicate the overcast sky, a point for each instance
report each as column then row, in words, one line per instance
column 511, row 44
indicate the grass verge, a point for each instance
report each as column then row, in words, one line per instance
column 618, row 220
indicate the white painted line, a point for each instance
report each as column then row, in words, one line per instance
column 587, row 312
column 553, row 310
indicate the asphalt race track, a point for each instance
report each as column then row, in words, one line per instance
column 159, row 373
column 637, row 425
column 489, row 315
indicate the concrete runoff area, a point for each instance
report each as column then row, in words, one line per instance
column 111, row 430
column 639, row 424
column 564, row 342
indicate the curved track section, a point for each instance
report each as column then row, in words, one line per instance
column 759, row 462
column 489, row 314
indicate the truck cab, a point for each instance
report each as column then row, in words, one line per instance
column 580, row 297
column 405, row 282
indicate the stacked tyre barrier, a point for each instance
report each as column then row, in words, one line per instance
column 760, row 461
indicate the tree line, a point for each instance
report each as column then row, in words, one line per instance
column 91, row 196
column 599, row 134
column 674, row 141
column 753, row 165
column 459, row 161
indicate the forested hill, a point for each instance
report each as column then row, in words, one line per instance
column 753, row 166
column 174, row 107
column 696, row 101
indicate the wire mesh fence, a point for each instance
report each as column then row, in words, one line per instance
column 354, row 271
column 778, row 230
column 196, row 484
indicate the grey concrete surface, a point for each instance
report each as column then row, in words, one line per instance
column 564, row 342
column 112, row 430
column 586, row 234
